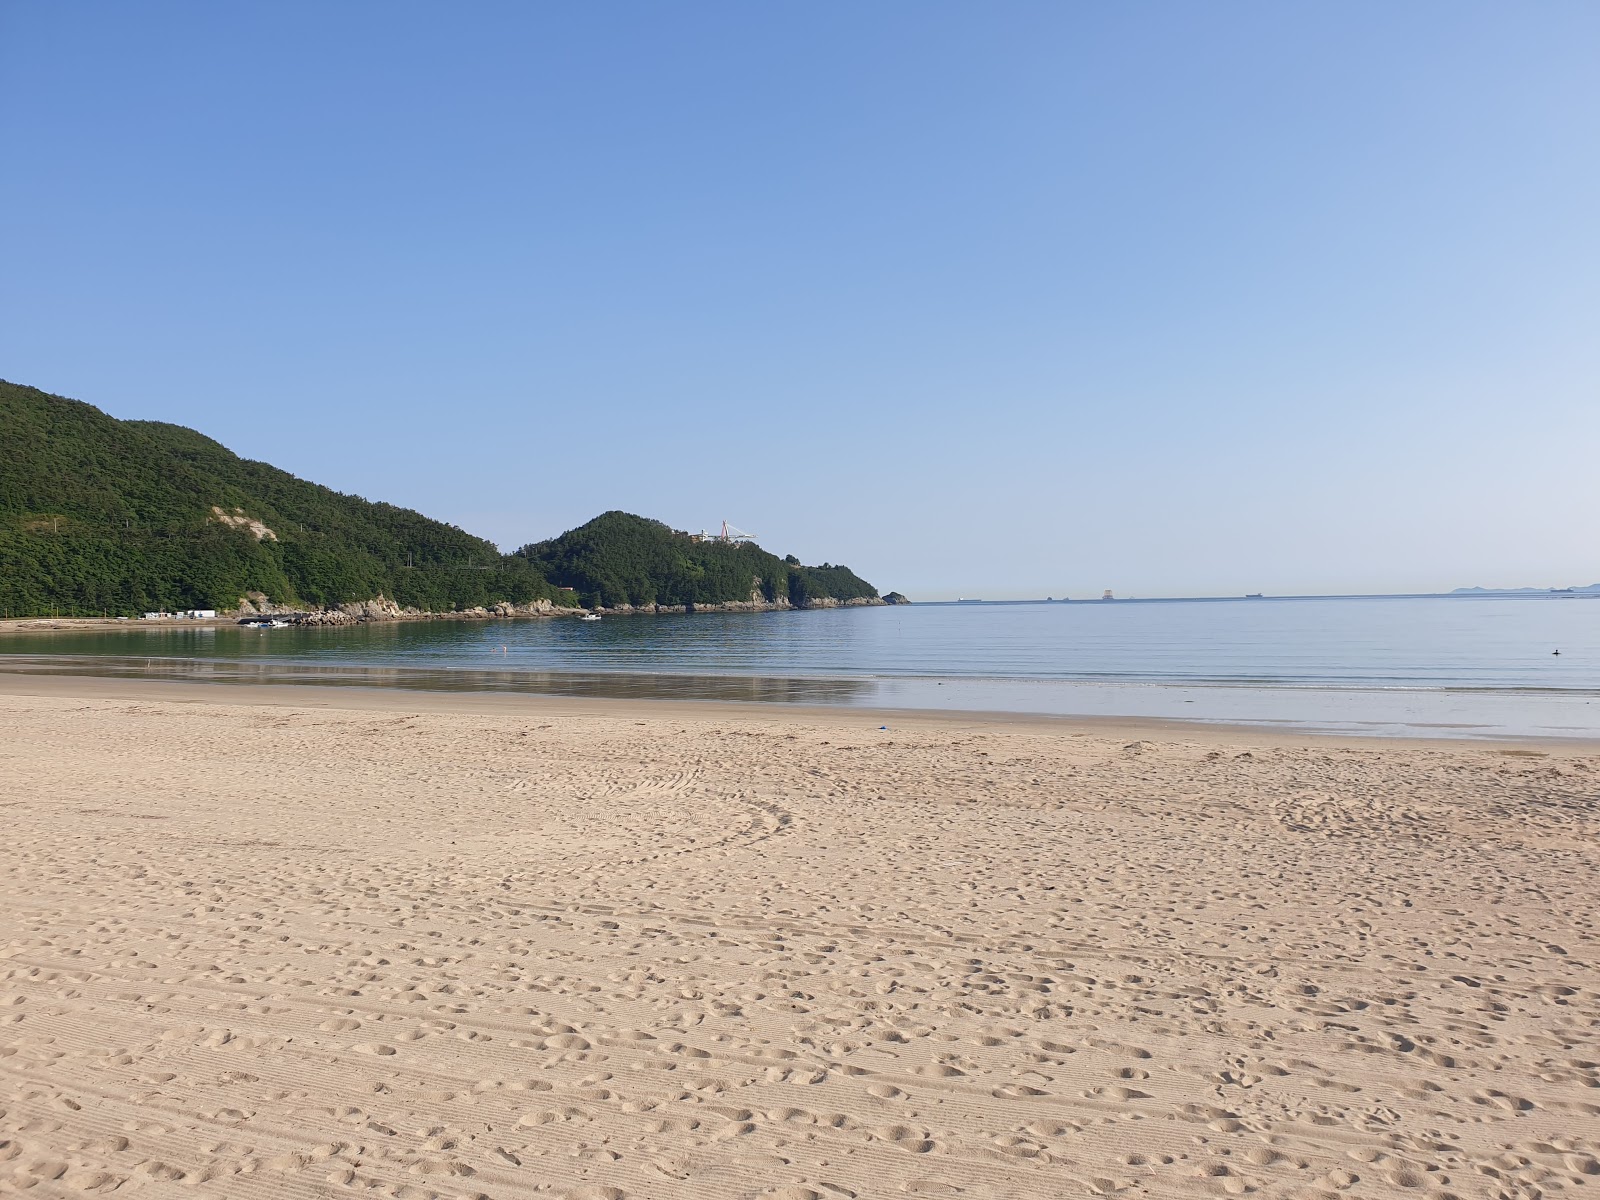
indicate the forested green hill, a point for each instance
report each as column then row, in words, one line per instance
column 101, row 515
column 123, row 517
column 619, row 558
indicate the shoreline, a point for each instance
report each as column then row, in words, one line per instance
column 26, row 625
column 360, row 698
column 924, row 662
column 379, row 612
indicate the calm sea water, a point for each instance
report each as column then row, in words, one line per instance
column 1438, row 666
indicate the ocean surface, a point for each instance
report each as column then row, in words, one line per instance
column 1419, row 666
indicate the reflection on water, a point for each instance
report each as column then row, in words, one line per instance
column 1462, row 667
column 749, row 688
column 1426, row 642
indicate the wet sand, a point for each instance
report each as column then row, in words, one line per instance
column 312, row 942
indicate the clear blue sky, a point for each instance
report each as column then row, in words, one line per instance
column 983, row 298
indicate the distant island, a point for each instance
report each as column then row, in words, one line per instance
column 100, row 516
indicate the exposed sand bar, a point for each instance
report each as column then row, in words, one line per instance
column 319, row 942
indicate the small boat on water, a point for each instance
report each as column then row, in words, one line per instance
column 590, row 617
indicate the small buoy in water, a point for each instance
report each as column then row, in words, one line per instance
column 1555, row 652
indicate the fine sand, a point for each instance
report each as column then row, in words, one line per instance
column 296, row 943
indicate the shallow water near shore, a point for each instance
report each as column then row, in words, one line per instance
column 1427, row 666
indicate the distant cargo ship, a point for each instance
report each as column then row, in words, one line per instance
column 964, row 600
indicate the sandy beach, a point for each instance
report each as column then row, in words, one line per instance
column 312, row 942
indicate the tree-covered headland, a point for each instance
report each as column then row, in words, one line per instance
column 99, row 515
column 619, row 559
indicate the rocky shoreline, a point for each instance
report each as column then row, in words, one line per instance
column 382, row 609
column 780, row 605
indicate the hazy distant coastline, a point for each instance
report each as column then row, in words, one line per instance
column 1524, row 591
column 1592, row 591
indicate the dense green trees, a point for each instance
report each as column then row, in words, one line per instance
column 619, row 558
column 99, row 515
column 839, row 583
